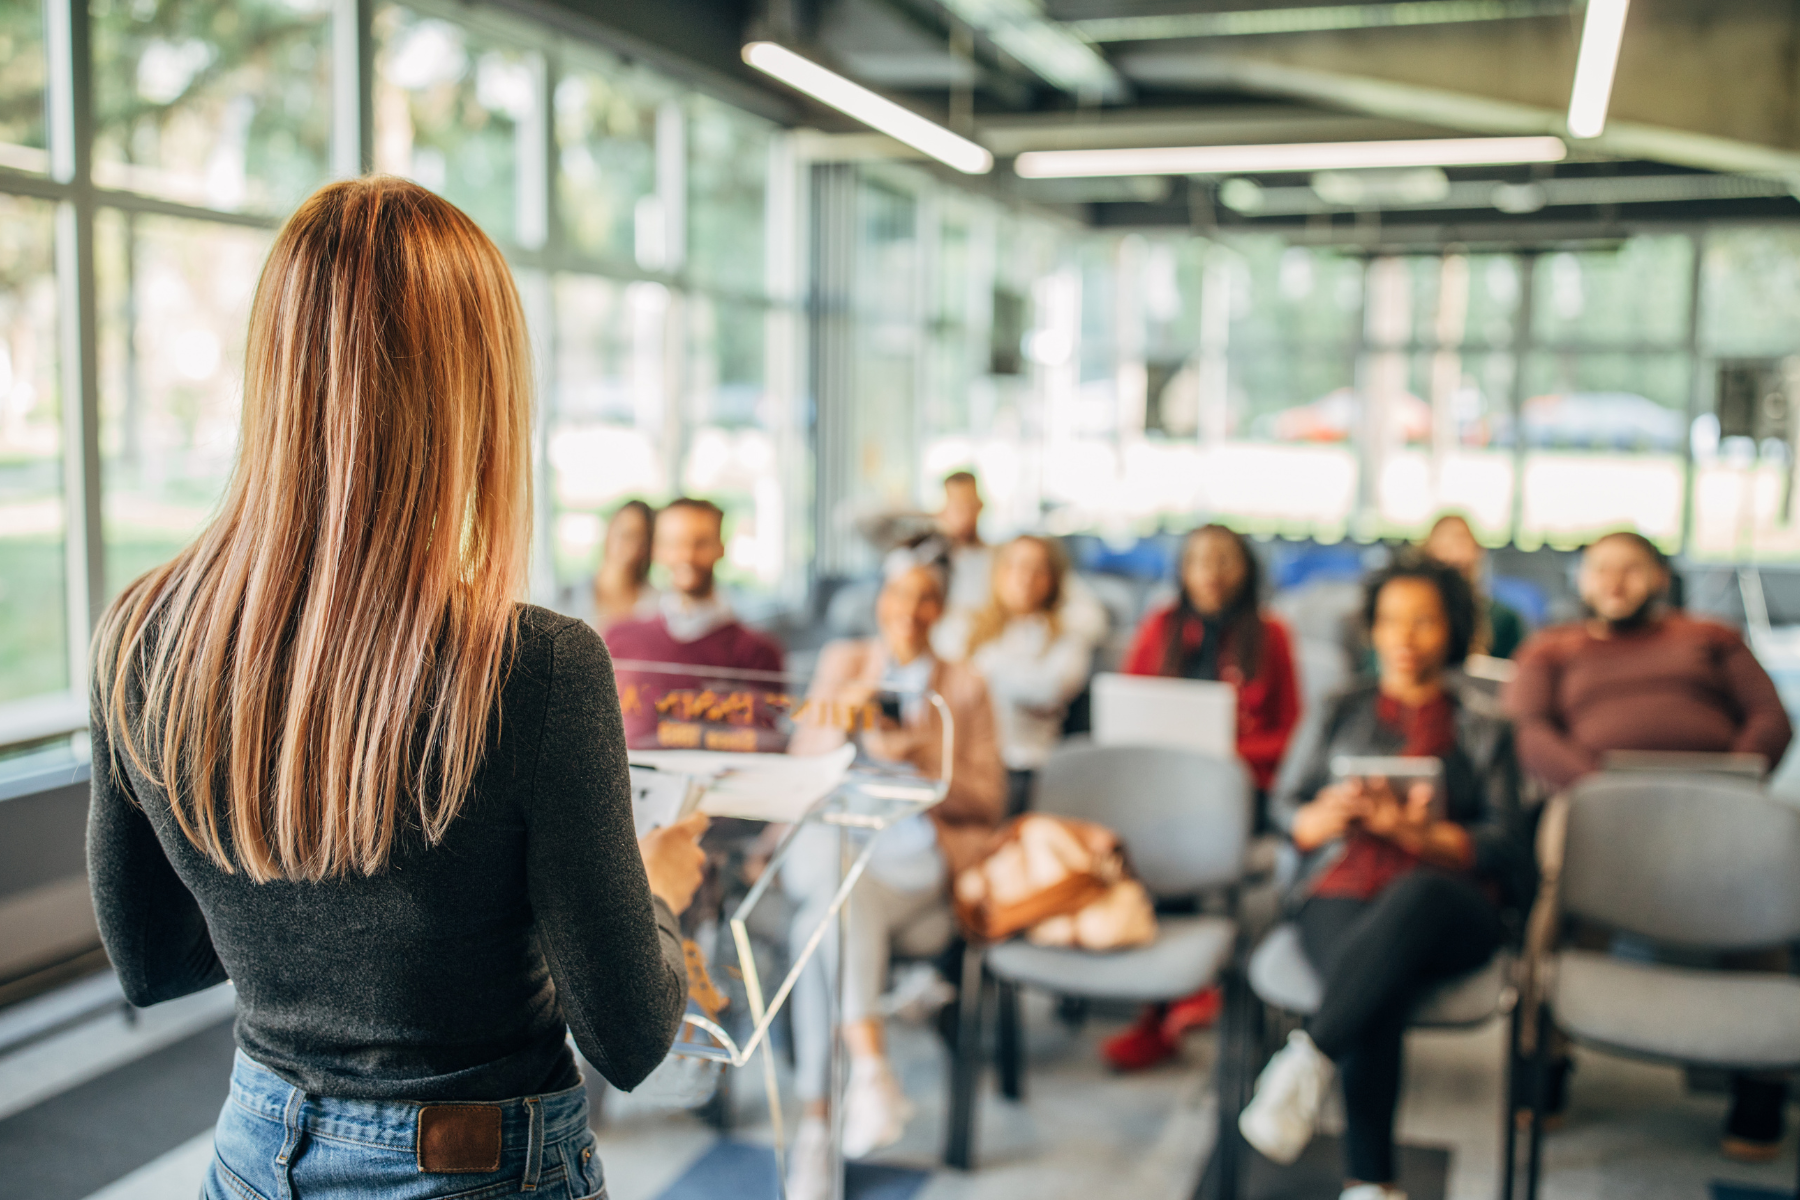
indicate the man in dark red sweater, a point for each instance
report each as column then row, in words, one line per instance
column 1635, row 676
column 697, row 628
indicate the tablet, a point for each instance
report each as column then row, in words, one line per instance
column 1399, row 770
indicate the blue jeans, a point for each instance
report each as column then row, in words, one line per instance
column 276, row 1142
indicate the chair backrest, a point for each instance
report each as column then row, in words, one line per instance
column 1184, row 817
column 1692, row 860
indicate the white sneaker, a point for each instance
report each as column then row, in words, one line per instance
column 1371, row 1191
column 809, row 1161
column 1279, row 1119
column 875, row 1109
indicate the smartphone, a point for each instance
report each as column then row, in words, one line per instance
column 890, row 706
column 1401, row 772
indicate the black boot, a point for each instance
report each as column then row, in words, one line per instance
column 1753, row 1130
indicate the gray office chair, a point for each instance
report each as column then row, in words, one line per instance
column 1282, row 978
column 1699, row 862
column 1184, row 820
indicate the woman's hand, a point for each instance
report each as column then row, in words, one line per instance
column 1330, row 814
column 674, row 860
column 1410, row 826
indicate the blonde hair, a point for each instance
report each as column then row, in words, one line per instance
column 320, row 666
column 989, row 622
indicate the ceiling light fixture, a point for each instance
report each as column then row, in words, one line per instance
column 1601, row 32
column 875, row 111
column 1291, row 156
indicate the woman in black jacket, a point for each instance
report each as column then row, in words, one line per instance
column 1396, row 893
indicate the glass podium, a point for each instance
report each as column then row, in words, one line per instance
column 717, row 725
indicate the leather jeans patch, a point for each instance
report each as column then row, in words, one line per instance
column 459, row 1139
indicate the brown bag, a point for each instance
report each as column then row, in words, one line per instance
column 1061, row 879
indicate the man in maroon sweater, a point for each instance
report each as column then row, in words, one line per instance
column 696, row 627
column 1635, row 676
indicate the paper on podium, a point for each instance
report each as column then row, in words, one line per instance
column 755, row 787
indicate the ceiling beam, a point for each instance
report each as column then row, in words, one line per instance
column 1457, row 110
column 1312, row 19
column 1244, row 124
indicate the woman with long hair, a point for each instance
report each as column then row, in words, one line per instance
column 622, row 590
column 1034, row 657
column 1215, row 630
column 1402, row 886
column 336, row 762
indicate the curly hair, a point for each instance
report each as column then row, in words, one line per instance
column 1453, row 590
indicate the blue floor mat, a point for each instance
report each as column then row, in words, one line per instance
column 741, row 1171
column 1743, row 1191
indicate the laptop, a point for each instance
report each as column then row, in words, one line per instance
column 1147, row 710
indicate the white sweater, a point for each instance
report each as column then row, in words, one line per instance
column 1031, row 678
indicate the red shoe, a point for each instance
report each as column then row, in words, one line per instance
column 1193, row 1012
column 1143, row 1045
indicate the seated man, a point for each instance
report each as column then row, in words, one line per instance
column 1638, row 676
column 906, row 885
column 694, row 627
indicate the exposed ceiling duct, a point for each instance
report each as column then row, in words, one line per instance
column 1314, row 19
column 1051, row 51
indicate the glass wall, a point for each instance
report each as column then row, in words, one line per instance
column 1549, row 396
column 640, row 216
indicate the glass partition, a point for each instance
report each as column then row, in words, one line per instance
column 175, row 299
column 452, row 109
column 34, row 655
column 23, row 78
column 225, row 106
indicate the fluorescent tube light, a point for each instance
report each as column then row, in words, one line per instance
column 877, row 112
column 1290, row 156
column 1601, row 32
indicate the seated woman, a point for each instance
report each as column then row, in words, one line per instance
column 1394, row 899
column 622, row 590
column 1034, row 649
column 1215, row 630
column 906, row 885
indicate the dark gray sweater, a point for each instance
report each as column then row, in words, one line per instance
column 454, row 973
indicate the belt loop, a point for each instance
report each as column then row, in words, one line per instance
column 534, row 1150
column 290, row 1145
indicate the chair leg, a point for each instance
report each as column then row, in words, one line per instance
column 1509, row 1122
column 1009, row 1050
column 1238, row 1032
column 965, row 1063
column 1540, row 1096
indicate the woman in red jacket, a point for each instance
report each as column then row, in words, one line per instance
column 1216, row 630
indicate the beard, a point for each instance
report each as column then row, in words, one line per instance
column 1633, row 621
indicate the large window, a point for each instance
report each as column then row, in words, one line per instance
column 33, row 614
column 638, row 215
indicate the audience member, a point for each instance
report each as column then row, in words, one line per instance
column 1499, row 628
column 907, row 881
column 1033, row 649
column 1400, row 890
column 1215, row 630
column 694, row 626
column 622, row 590
column 1636, row 675
column 971, row 559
